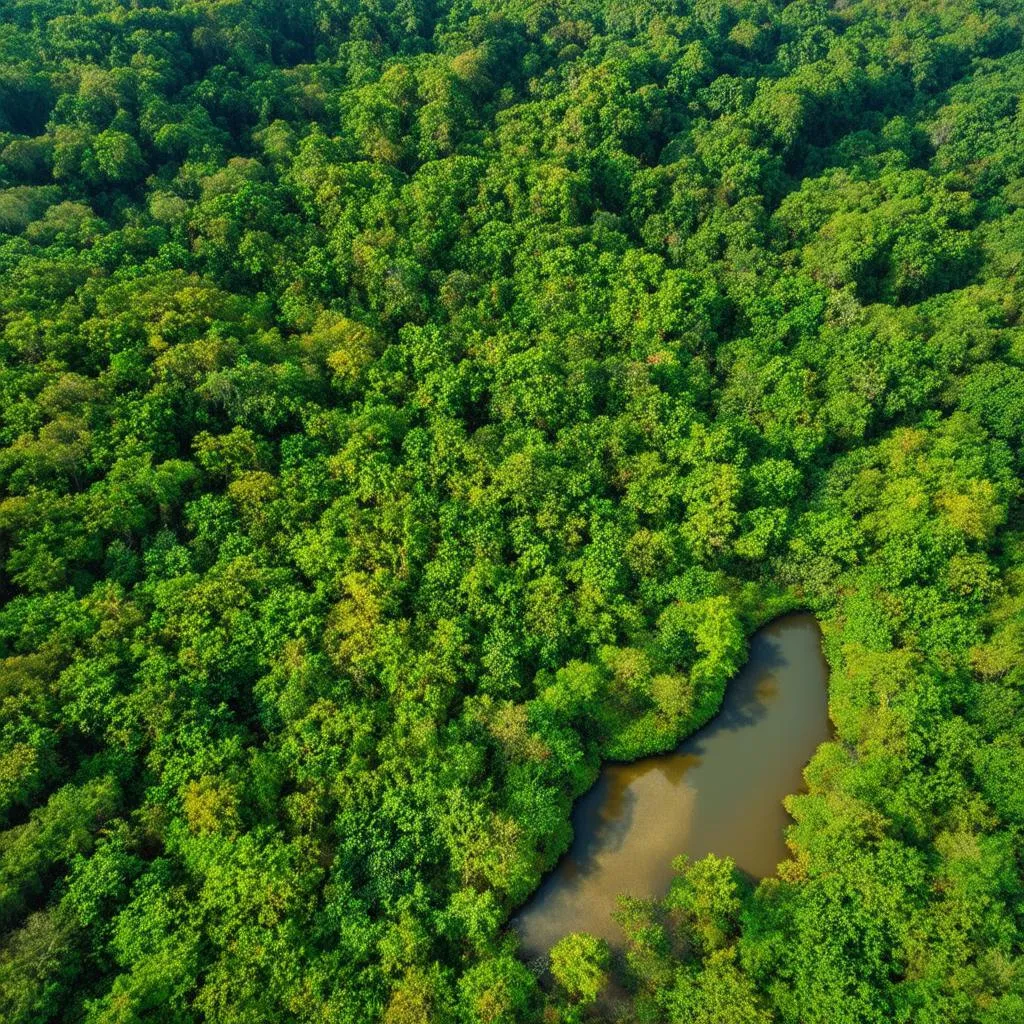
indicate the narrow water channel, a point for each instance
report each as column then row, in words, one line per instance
column 719, row 792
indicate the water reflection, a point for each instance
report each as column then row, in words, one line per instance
column 719, row 792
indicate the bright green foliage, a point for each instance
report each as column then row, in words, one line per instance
column 406, row 405
column 706, row 898
column 579, row 963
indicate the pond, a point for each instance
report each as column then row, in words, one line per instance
column 719, row 792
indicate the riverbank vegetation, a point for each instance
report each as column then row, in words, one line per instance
column 405, row 404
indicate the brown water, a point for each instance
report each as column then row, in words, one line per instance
column 719, row 792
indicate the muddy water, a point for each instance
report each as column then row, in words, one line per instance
column 719, row 792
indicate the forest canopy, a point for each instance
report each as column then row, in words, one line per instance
column 407, row 404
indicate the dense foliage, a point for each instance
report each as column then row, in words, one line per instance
column 405, row 404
